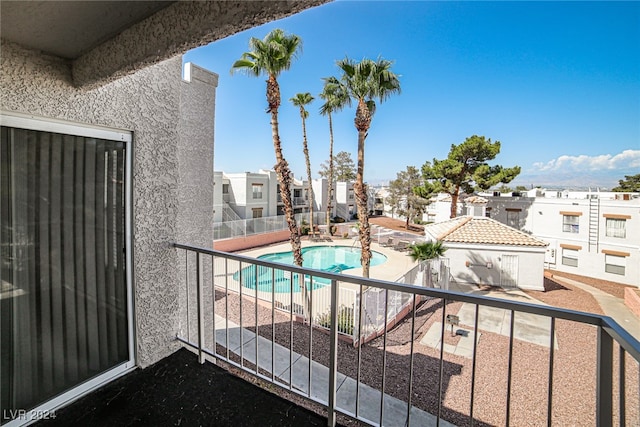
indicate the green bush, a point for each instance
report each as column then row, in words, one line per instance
column 345, row 320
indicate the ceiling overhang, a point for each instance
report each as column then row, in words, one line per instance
column 104, row 40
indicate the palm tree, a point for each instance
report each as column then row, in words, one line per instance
column 300, row 100
column 271, row 56
column 366, row 81
column 427, row 250
column 335, row 98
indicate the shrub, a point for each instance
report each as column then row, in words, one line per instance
column 345, row 320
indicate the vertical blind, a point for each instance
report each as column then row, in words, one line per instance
column 64, row 295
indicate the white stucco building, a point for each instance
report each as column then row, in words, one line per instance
column 483, row 251
column 248, row 195
column 594, row 234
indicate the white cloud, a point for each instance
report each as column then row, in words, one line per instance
column 626, row 159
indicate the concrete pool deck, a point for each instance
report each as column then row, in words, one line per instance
column 397, row 264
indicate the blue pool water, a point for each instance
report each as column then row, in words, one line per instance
column 333, row 259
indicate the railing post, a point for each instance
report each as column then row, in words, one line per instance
column 333, row 353
column 200, row 310
column 604, row 380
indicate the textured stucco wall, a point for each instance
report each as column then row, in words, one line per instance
column 182, row 26
column 530, row 264
column 147, row 103
column 195, row 156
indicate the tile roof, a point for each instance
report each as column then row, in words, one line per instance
column 476, row 200
column 480, row 230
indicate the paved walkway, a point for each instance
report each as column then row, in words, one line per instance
column 533, row 328
column 527, row 327
column 612, row 306
column 277, row 359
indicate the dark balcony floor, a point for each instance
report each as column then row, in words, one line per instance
column 179, row 391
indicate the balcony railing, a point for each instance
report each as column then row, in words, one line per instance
column 542, row 365
column 247, row 227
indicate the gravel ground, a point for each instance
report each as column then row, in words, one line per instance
column 573, row 374
column 612, row 288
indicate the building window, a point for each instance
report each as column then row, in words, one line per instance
column 570, row 223
column 225, row 188
column 616, row 227
column 487, row 213
column 614, row 264
column 257, row 212
column 257, row 191
column 350, row 194
column 297, row 192
column 570, row 257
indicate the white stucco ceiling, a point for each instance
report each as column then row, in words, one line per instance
column 68, row 29
column 104, row 40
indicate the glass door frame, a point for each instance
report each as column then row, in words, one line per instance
column 23, row 121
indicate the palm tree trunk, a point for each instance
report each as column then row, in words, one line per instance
column 282, row 170
column 363, row 214
column 362, row 123
column 330, row 186
column 310, row 183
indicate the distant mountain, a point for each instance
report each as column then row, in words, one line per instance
column 604, row 180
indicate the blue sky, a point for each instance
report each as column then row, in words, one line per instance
column 557, row 83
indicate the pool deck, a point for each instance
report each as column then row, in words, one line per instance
column 397, row 264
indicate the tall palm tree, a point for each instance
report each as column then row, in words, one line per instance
column 271, row 56
column 300, row 100
column 366, row 81
column 335, row 97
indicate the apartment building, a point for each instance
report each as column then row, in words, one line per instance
column 594, row 234
column 250, row 195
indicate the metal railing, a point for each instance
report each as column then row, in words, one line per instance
column 248, row 227
column 582, row 368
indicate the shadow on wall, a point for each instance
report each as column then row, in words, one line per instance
column 481, row 268
column 511, row 211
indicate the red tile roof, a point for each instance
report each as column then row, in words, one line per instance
column 480, row 230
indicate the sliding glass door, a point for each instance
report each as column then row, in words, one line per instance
column 64, row 313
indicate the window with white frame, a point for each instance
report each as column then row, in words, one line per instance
column 257, row 191
column 225, row 188
column 570, row 223
column 570, row 257
column 614, row 264
column 616, row 227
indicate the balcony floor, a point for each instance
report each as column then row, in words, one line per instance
column 180, row 391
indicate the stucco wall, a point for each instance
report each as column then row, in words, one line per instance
column 530, row 265
column 147, row 103
column 544, row 220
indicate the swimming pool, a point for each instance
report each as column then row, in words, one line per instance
column 332, row 259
